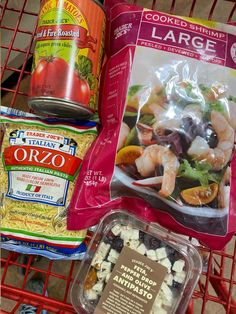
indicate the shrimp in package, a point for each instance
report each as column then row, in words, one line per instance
column 165, row 151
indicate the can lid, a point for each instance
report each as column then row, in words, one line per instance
column 59, row 108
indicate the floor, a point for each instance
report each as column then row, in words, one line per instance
column 55, row 286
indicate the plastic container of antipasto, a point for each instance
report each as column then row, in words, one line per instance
column 135, row 267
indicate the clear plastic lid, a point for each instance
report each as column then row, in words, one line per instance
column 120, row 240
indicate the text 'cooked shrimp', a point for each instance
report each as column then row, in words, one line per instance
column 159, row 155
column 219, row 156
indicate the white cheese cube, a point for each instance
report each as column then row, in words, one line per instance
column 156, row 308
column 133, row 244
column 180, row 277
column 106, row 266
column 116, row 230
column 104, row 249
column 105, row 269
column 113, row 256
column 126, row 234
column 100, row 255
column 166, row 262
column 102, row 275
column 107, row 277
column 158, row 302
column 151, row 254
column 98, row 287
column 161, row 253
column 127, row 242
column 141, row 249
column 91, row 295
column 97, row 261
column 135, row 234
column 169, row 279
column 167, row 302
column 166, row 292
column 178, row 265
column 160, row 311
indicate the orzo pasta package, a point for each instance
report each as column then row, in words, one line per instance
column 169, row 120
column 40, row 160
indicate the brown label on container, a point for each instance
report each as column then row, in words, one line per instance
column 133, row 285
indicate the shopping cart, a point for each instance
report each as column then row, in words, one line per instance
column 217, row 284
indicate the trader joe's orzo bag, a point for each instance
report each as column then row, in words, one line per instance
column 40, row 160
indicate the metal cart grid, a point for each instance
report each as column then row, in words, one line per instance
column 218, row 282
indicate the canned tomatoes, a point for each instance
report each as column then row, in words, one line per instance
column 67, row 58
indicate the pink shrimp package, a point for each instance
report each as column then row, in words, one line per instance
column 168, row 113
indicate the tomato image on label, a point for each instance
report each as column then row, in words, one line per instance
column 43, row 77
column 67, row 58
column 84, row 90
column 43, row 81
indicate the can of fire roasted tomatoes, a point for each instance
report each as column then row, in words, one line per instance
column 67, row 58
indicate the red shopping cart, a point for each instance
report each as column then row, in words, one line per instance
column 218, row 281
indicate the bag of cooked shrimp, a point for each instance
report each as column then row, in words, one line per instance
column 169, row 118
